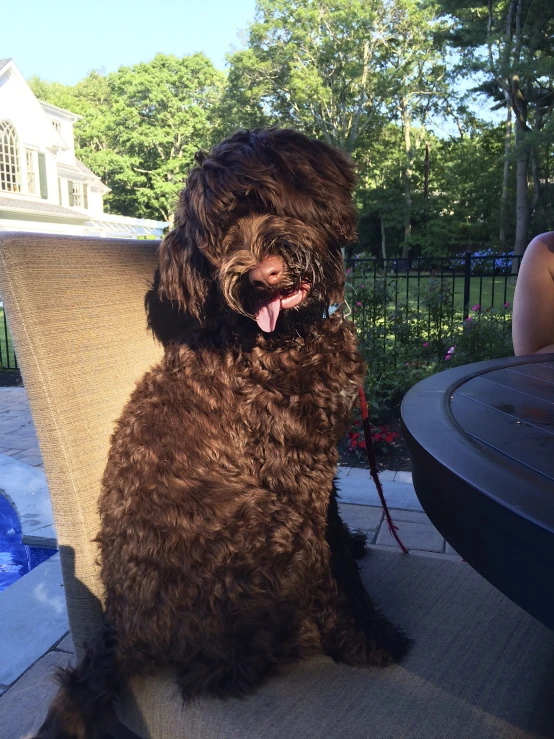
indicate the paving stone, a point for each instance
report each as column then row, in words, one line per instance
column 11, row 441
column 366, row 518
column 66, row 644
column 413, row 535
column 344, row 471
column 45, row 537
column 27, row 433
column 26, row 489
column 33, row 450
column 403, row 477
column 32, row 459
column 358, row 487
column 8, row 426
column 32, row 618
column 411, row 516
column 23, row 706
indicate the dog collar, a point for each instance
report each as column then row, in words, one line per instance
column 338, row 307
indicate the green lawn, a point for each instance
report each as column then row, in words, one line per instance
column 486, row 291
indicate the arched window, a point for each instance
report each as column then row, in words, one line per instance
column 10, row 180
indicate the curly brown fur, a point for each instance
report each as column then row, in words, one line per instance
column 223, row 553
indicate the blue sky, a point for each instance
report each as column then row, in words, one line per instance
column 62, row 40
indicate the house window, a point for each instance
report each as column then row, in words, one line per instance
column 30, row 161
column 10, row 179
column 78, row 194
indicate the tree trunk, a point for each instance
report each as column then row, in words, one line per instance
column 406, row 125
column 522, row 202
column 504, row 197
column 383, row 237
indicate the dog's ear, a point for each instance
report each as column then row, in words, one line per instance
column 185, row 273
column 337, row 173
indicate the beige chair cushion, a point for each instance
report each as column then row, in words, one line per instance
column 480, row 668
column 75, row 308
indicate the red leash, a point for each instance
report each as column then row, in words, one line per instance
column 373, row 468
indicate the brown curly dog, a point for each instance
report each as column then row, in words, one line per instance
column 222, row 551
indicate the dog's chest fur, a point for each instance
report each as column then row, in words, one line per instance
column 238, row 448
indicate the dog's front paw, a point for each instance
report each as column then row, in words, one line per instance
column 380, row 644
column 386, row 643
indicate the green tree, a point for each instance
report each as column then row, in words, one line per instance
column 419, row 83
column 161, row 113
column 509, row 42
column 318, row 66
column 141, row 127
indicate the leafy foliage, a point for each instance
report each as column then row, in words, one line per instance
column 141, row 127
column 390, row 81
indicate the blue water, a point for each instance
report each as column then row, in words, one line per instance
column 16, row 559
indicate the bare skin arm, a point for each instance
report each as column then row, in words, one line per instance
column 533, row 319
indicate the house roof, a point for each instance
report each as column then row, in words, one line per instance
column 85, row 170
column 63, row 111
column 3, row 62
column 39, row 207
column 79, row 172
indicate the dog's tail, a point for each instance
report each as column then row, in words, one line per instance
column 86, row 692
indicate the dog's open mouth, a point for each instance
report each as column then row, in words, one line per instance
column 268, row 313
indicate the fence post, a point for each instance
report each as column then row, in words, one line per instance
column 467, row 278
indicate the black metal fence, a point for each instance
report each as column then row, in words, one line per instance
column 426, row 310
column 397, row 303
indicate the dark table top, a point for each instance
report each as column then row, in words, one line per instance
column 482, row 443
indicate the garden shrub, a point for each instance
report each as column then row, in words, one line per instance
column 403, row 340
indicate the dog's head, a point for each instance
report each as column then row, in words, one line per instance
column 259, row 231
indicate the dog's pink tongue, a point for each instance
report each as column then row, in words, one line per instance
column 266, row 317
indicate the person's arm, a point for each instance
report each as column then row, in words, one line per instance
column 533, row 317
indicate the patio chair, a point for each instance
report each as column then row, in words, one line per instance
column 480, row 667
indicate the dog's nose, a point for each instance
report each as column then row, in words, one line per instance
column 268, row 273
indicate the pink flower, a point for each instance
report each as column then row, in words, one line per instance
column 449, row 353
column 506, row 305
column 476, row 307
column 358, row 303
column 469, row 319
column 425, row 343
column 362, row 286
column 349, row 271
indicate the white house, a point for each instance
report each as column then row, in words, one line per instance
column 43, row 186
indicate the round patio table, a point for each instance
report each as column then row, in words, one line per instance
column 482, row 443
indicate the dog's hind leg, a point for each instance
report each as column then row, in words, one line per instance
column 352, row 629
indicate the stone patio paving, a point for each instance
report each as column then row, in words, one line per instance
column 34, row 634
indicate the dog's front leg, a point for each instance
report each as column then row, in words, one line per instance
column 352, row 629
